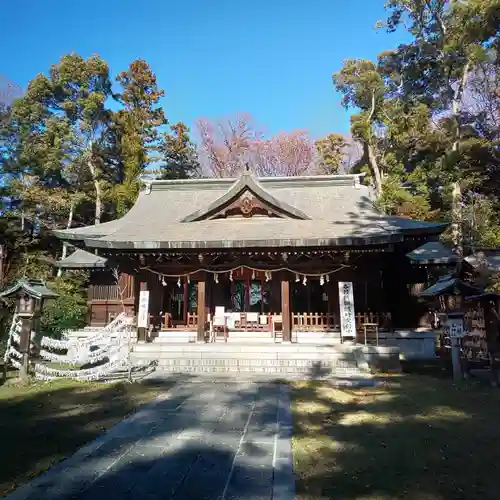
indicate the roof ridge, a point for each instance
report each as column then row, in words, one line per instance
column 337, row 179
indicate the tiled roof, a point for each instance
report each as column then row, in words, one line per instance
column 81, row 259
column 449, row 285
column 433, row 252
column 318, row 211
column 34, row 287
column 487, row 259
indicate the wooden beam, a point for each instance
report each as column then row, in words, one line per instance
column 201, row 311
column 285, row 310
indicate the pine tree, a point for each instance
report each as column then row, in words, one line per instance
column 179, row 159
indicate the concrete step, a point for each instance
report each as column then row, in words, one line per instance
column 279, row 359
column 241, row 347
column 311, row 372
column 347, row 380
column 297, row 367
column 232, row 362
column 250, row 357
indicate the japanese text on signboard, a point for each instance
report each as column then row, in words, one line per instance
column 347, row 318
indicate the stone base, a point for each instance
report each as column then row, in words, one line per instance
column 412, row 344
column 289, row 360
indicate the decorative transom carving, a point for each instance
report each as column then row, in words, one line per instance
column 246, row 206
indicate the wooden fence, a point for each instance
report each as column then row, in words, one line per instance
column 329, row 321
column 304, row 321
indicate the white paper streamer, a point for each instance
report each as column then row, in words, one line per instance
column 118, row 324
column 116, row 349
column 81, row 358
column 15, row 328
column 15, row 363
column 14, row 352
column 94, row 373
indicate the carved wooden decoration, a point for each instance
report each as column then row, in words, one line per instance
column 247, row 205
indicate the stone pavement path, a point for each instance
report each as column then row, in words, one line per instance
column 201, row 441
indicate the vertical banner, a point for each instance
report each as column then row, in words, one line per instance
column 143, row 313
column 347, row 317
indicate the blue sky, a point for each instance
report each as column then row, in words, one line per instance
column 271, row 58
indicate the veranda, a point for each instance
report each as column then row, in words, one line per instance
column 252, row 292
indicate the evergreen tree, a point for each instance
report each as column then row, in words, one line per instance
column 179, row 159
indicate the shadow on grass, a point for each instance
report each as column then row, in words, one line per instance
column 412, row 437
column 436, row 368
column 46, row 422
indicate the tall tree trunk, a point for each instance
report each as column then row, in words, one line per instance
column 98, row 201
column 97, row 184
column 377, row 175
column 456, row 108
column 372, row 159
column 456, row 105
column 456, row 226
column 65, row 245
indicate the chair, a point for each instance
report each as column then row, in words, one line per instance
column 219, row 322
column 253, row 320
column 371, row 333
column 264, row 322
column 167, row 320
column 243, row 321
column 276, row 319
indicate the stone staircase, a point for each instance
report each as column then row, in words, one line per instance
column 280, row 360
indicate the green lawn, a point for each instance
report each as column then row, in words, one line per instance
column 46, row 422
column 415, row 437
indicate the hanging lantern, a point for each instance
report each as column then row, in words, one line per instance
column 230, row 275
column 328, row 278
column 321, row 280
column 179, row 282
column 253, row 274
column 163, row 282
column 297, row 278
column 268, row 275
column 216, row 277
column 304, row 281
column 188, row 279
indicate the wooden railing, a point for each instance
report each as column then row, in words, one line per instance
column 192, row 320
column 122, row 290
column 110, row 292
column 329, row 321
column 302, row 321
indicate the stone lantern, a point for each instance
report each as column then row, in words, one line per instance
column 30, row 295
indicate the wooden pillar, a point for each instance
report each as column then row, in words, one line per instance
column 141, row 331
column 186, row 302
column 24, row 346
column 285, row 310
column 201, row 311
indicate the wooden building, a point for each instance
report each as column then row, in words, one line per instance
column 109, row 291
column 274, row 249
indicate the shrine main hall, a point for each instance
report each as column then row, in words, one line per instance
column 283, row 255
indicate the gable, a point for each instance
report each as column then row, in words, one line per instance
column 246, row 199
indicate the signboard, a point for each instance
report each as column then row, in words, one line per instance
column 143, row 312
column 346, row 301
column 455, row 327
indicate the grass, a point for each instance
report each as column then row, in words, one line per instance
column 415, row 437
column 45, row 422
